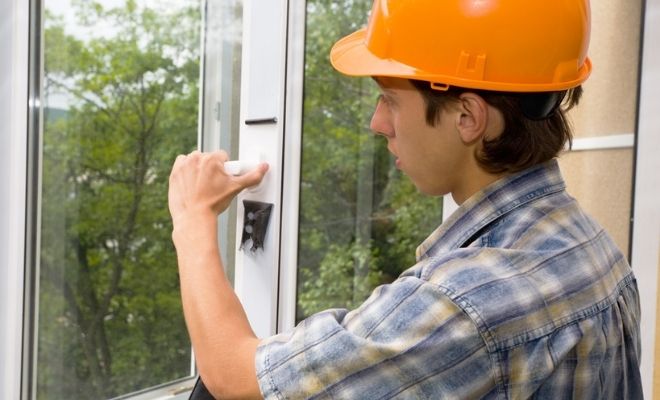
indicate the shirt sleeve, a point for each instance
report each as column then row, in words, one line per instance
column 407, row 340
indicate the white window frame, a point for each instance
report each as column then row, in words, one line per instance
column 14, row 45
column 646, row 211
column 261, row 137
column 292, row 165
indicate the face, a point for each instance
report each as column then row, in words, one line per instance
column 434, row 157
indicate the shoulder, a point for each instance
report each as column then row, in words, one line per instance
column 528, row 290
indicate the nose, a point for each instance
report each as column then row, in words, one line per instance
column 381, row 120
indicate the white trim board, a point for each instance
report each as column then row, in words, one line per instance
column 621, row 141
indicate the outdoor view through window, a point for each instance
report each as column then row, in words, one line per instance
column 360, row 218
column 120, row 100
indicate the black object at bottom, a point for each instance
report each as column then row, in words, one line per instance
column 200, row 392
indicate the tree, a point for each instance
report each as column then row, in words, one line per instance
column 110, row 319
column 360, row 219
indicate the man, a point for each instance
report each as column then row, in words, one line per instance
column 518, row 295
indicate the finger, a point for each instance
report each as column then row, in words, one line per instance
column 253, row 177
column 177, row 167
column 180, row 159
column 221, row 155
column 218, row 158
column 194, row 157
column 174, row 200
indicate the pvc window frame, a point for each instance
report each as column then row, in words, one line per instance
column 14, row 45
column 646, row 206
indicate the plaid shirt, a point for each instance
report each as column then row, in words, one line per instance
column 519, row 294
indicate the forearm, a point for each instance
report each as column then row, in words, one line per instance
column 222, row 338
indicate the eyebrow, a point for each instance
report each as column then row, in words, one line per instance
column 382, row 87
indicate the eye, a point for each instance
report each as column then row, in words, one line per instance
column 384, row 99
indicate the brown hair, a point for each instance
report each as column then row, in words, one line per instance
column 536, row 128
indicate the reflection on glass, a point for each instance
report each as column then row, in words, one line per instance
column 121, row 97
column 222, row 96
column 360, row 219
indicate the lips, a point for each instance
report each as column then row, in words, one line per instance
column 397, row 161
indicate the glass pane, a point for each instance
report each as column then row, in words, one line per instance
column 222, row 97
column 360, row 219
column 120, row 101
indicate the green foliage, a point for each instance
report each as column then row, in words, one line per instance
column 345, row 278
column 110, row 318
column 360, row 219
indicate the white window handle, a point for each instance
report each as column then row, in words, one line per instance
column 239, row 167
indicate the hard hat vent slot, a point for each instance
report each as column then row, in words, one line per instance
column 471, row 66
column 441, row 87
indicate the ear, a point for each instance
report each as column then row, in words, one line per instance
column 472, row 120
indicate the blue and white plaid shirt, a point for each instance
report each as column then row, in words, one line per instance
column 519, row 294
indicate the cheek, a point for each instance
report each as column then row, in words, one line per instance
column 435, row 153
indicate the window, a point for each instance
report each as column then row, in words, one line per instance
column 120, row 94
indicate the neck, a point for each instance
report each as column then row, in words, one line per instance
column 475, row 180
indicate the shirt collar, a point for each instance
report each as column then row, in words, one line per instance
column 490, row 203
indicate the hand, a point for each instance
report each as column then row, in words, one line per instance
column 199, row 184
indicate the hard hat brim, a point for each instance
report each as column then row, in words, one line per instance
column 351, row 56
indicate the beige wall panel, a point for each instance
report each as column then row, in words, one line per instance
column 610, row 100
column 601, row 181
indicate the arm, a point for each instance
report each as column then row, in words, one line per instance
column 222, row 338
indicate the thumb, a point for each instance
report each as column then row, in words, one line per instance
column 253, row 177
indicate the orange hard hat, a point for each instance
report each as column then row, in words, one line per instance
column 500, row 45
